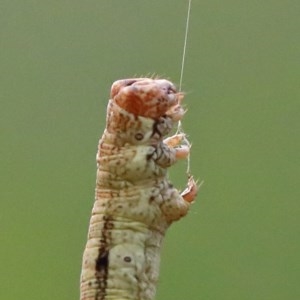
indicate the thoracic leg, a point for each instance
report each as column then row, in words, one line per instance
column 190, row 192
column 182, row 151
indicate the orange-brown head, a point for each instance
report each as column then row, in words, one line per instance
column 147, row 97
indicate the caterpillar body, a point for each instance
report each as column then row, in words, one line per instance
column 134, row 201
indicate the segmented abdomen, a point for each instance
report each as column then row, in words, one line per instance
column 122, row 254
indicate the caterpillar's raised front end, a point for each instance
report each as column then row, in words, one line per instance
column 134, row 201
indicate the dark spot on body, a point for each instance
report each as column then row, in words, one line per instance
column 110, row 226
column 149, row 156
column 102, row 261
column 151, row 199
column 139, row 136
column 127, row 259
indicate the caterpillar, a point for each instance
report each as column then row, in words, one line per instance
column 134, row 201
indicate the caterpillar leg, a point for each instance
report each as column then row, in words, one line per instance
column 190, row 193
column 182, row 151
column 176, row 204
column 170, row 150
column 174, row 140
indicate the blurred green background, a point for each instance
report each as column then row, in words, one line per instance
column 242, row 78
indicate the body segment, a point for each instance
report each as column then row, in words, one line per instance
column 134, row 201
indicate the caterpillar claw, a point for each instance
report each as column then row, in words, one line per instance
column 174, row 140
column 191, row 191
column 182, row 152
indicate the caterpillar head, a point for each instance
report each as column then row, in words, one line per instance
column 150, row 98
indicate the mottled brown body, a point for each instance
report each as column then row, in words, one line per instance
column 135, row 202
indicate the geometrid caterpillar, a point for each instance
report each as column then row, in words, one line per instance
column 135, row 203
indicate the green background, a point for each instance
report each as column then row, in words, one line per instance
column 242, row 78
